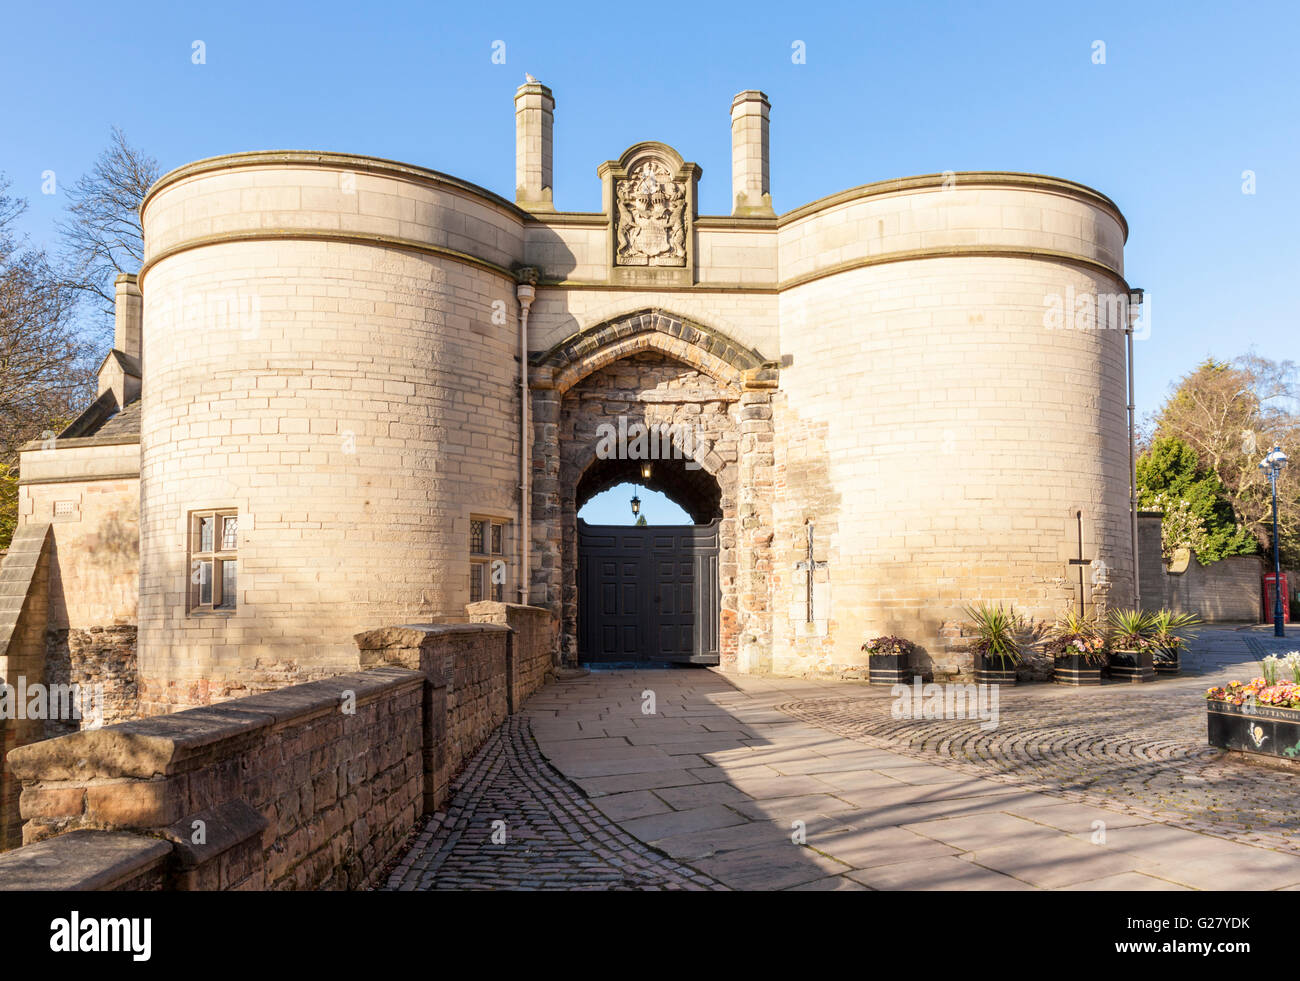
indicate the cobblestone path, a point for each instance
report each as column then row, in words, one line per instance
column 1137, row 748
column 554, row 839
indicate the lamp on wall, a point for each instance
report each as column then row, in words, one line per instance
column 1272, row 466
column 645, row 470
column 636, row 504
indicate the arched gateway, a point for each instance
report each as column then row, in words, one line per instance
column 653, row 398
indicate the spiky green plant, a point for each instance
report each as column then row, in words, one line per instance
column 1131, row 630
column 1171, row 631
column 1078, row 635
column 996, row 632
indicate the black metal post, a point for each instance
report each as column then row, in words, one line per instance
column 1278, row 629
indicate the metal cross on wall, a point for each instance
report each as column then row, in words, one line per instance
column 1080, row 561
column 809, row 567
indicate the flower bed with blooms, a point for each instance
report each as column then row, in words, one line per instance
column 1283, row 694
column 886, row 646
column 1090, row 647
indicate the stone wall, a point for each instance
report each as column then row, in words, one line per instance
column 464, row 666
column 331, row 349
column 24, row 610
column 314, row 786
column 95, row 570
column 311, row 787
column 530, row 646
column 942, row 439
column 1226, row 591
column 100, row 656
column 663, row 394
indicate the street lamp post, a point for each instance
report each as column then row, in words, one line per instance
column 1272, row 466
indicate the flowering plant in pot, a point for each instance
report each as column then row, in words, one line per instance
column 887, row 660
column 1132, row 646
column 997, row 643
column 1077, row 646
column 1280, row 665
column 1170, row 633
column 1261, row 716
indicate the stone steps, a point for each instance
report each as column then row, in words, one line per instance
column 16, row 575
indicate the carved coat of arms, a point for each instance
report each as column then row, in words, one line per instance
column 650, row 226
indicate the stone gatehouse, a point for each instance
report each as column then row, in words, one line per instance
column 347, row 393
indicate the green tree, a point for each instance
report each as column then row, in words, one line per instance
column 1197, row 512
column 1231, row 414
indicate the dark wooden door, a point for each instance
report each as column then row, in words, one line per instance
column 648, row 594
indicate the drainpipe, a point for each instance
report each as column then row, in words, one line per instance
column 525, row 292
column 1135, row 308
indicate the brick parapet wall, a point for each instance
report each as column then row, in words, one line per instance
column 530, row 646
column 464, row 666
column 310, row 787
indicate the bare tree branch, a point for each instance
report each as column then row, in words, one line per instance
column 102, row 234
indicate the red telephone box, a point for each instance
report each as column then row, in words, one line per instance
column 1270, row 586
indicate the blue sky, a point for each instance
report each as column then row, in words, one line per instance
column 1191, row 95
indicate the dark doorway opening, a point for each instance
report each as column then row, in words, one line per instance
column 650, row 594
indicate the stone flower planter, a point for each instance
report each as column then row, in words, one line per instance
column 1077, row 671
column 994, row 671
column 888, row 669
column 1137, row 667
column 1260, row 729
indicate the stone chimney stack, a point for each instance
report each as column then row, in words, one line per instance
column 749, row 160
column 128, row 313
column 534, row 117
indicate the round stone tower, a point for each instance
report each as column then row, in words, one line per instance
column 953, row 413
column 332, row 362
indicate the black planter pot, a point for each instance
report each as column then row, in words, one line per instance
column 1074, row 670
column 1168, row 663
column 1137, row 667
column 994, row 671
column 1259, row 729
column 888, row 669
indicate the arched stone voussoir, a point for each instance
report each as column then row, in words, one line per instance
column 701, row 347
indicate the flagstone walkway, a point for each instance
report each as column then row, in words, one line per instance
column 765, row 783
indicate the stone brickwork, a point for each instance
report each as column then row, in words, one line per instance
column 464, row 666
column 350, row 399
column 657, row 391
column 158, row 696
column 24, row 610
column 530, row 646
column 100, row 656
column 96, row 522
column 1226, row 591
column 331, row 346
column 951, row 470
column 311, row 787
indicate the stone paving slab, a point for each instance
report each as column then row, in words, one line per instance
column 767, row 783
